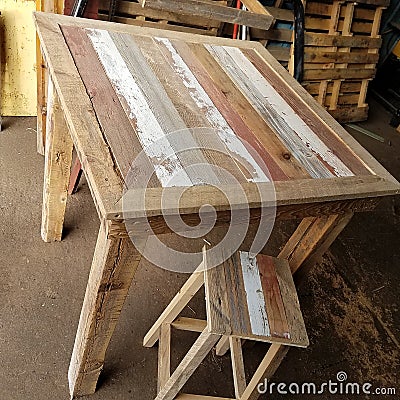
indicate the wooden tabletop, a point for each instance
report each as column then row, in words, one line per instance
column 153, row 110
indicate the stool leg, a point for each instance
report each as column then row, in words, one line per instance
column 308, row 243
column 270, row 363
column 164, row 356
column 239, row 375
column 114, row 264
column 222, row 346
column 197, row 353
column 178, row 303
column 58, row 160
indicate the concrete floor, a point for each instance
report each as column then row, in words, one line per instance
column 350, row 301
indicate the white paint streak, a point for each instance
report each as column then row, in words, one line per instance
column 255, row 295
column 217, row 121
column 308, row 136
column 151, row 135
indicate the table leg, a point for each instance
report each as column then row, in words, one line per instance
column 58, row 159
column 114, row 264
column 304, row 248
column 312, row 239
column 41, row 99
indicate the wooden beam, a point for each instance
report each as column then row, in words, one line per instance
column 58, row 160
column 265, row 370
column 223, row 346
column 188, row 365
column 189, row 324
column 302, row 191
column 114, row 264
column 164, row 356
column 217, row 12
column 178, row 303
column 312, row 239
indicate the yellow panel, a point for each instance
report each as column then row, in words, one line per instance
column 18, row 59
column 396, row 50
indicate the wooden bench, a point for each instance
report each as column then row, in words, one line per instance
column 246, row 298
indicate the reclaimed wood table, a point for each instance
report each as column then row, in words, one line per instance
column 118, row 92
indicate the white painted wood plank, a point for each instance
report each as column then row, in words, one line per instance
column 289, row 127
column 255, row 295
column 179, row 135
column 167, row 166
column 217, row 121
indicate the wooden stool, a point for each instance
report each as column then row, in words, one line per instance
column 246, row 298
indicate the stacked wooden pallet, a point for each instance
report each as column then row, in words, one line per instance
column 341, row 51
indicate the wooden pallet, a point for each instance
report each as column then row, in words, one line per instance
column 341, row 50
column 194, row 16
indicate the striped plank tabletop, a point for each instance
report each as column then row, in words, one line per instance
column 172, row 110
column 185, row 105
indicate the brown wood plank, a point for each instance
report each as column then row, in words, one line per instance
column 273, row 299
column 323, row 25
column 212, row 11
column 116, row 127
column 311, row 55
column 273, row 109
column 279, row 35
column 164, row 356
column 346, row 114
column 325, row 9
column 219, row 318
column 300, row 192
column 239, row 374
column 290, row 300
column 345, row 99
column 346, row 87
column 322, row 39
column 237, row 303
column 328, row 136
column 340, row 73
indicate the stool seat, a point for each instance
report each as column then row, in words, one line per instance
column 253, row 298
column 246, row 298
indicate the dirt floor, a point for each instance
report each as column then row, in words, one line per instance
column 350, row 301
